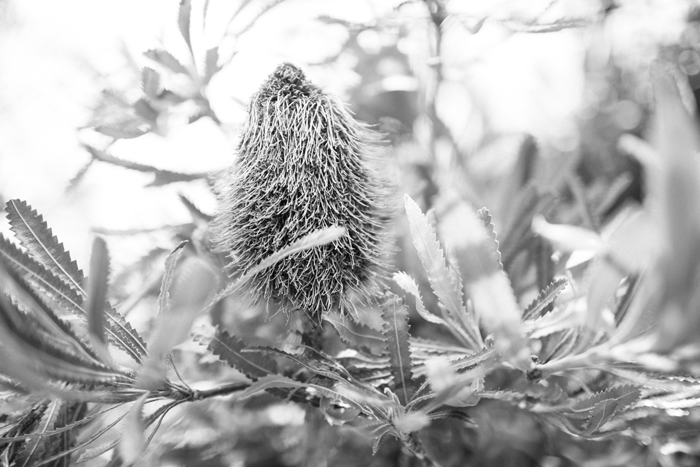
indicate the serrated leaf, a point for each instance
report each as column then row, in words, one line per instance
column 229, row 349
column 41, row 277
column 395, row 317
column 31, row 230
column 485, row 217
column 490, row 291
column 183, row 21
column 377, row 443
column 194, row 210
column 211, row 64
column 624, row 395
column 168, row 274
column 36, row 445
column 407, row 283
column 167, row 60
column 124, row 335
column 150, row 83
column 161, row 177
column 439, row 275
column 97, row 290
column 601, row 414
column 454, row 413
column 545, row 297
column 356, row 335
column 132, row 442
column 47, row 320
column 43, row 353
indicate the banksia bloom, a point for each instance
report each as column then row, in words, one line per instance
column 303, row 163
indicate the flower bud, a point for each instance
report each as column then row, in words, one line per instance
column 303, row 163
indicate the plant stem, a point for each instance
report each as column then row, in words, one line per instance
column 224, row 390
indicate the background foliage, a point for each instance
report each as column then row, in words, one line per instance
column 556, row 326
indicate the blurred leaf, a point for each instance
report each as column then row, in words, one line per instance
column 132, row 441
column 126, row 131
column 336, row 412
column 523, row 207
column 451, row 388
column 195, row 283
column 168, row 274
column 97, row 290
column 47, row 321
column 211, row 64
column 150, row 82
column 567, row 237
column 395, row 317
column 356, row 335
column 166, row 60
column 559, row 25
column 490, row 291
column 183, row 21
column 194, row 210
column 675, row 189
column 35, row 447
column 484, row 215
column 162, row 177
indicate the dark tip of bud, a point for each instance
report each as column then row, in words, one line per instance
column 289, row 80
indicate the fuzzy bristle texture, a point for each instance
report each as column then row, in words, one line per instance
column 303, row 163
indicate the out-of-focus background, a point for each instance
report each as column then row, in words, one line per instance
column 115, row 117
column 494, row 79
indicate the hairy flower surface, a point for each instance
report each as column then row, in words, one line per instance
column 303, row 164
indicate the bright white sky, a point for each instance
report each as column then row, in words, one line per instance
column 57, row 56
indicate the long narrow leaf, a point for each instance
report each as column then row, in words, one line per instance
column 97, row 290
column 395, row 317
column 133, row 439
column 183, row 21
column 314, row 239
column 40, row 276
column 441, row 279
column 230, row 350
column 545, row 297
column 47, row 323
column 170, row 263
column 34, row 234
column 36, row 445
column 407, row 283
column 38, row 239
